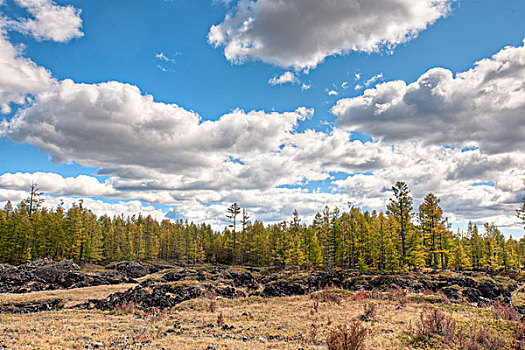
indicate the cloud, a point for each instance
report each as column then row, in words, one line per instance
column 305, row 87
column 81, row 185
column 161, row 56
column 286, row 77
column 162, row 153
column 19, row 76
column 481, row 107
column 373, row 79
column 99, row 207
column 302, row 33
column 50, row 21
column 73, row 122
column 332, row 93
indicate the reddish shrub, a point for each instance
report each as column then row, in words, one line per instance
column 220, row 320
column 350, row 337
column 360, row 295
column 505, row 312
column 315, row 307
column 212, row 307
column 519, row 336
column 482, row 339
column 126, row 307
column 434, row 322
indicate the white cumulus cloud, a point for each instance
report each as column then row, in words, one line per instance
column 50, row 21
column 302, row 33
column 286, row 77
column 484, row 106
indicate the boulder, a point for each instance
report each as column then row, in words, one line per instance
column 131, row 269
column 242, row 279
column 159, row 296
column 282, row 289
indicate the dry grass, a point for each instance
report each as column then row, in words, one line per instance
column 71, row 297
column 258, row 323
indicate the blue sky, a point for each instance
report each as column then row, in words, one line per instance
column 322, row 139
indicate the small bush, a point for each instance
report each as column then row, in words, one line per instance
column 315, row 307
column 435, row 322
column 519, row 336
column 327, row 296
column 369, row 311
column 155, row 313
column 313, row 333
column 482, row 339
column 330, row 297
column 212, row 307
column 220, row 320
column 502, row 311
column 125, row 307
column 211, row 294
column 350, row 337
column 360, row 295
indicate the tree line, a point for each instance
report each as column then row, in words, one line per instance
column 397, row 239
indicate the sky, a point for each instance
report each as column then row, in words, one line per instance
column 178, row 108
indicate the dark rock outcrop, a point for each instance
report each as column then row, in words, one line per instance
column 144, row 298
column 242, row 279
column 24, row 308
column 131, row 269
column 51, row 275
column 282, row 289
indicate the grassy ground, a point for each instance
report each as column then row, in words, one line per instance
column 258, row 323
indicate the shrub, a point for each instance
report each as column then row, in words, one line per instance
column 124, row 307
column 369, row 311
column 435, row 322
column 313, row 333
column 482, row 339
column 519, row 336
column 315, row 307
column 212, row 307
column 330, row 297
column 327, row 296
column 505, row 312
column 350, row 337
column 360, row 295
column 155, row 313
column 220, row 320
column 211, row 294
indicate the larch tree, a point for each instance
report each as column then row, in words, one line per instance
column 233, row 211
column 432, row 225
column 520, row 212
column 400, row 207
column 245, row 222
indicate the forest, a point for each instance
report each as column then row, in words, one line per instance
column 400, row 238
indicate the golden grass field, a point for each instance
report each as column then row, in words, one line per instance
column 258, row 323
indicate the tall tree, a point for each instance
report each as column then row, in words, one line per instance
column 520, row 212
column 401, row 207
column 432, row 225
column 233, row 211
column 245, row 222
